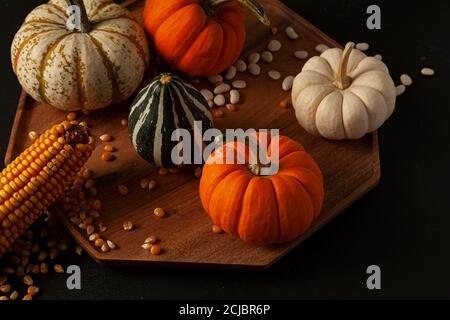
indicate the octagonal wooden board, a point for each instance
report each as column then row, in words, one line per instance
column 351, row 168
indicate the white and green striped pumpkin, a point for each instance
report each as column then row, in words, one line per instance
column 163, row 106
column 87, row 65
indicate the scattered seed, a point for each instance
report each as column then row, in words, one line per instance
column 79, row 250
column 216, row 229
column 42, row 255
column 400, row 89
column 124, row 122
column 105, row 137
column 378, row 57
column 406, row 80
column 32, row 290
column 155, row 250
column 123, row 190
column 104, row 248
column 108, row 148
column 14, row 295
column 208, row 95
column 71, row 116
column 215, row 79
column 102, row 227
column 127, row 225
column 3, row 279
column 99, row 242
column 33, row 135
column 27, row 297
column 254, row 69
column 427, row 72
column 231, row 107
column 36, row 269
column 321, row 48
column 159, row 212
column 146, row 246
column 6, row 288
column 144, row 182
column 97, row 205
column 362, row 46
column 222, row 88
column 43, row 268
column 274, row 75
column 283, row 104
column 210, row 104
column 235, row 96
column 287, row 83
column 20, row 272
column 241, row 66
column 53, row 253
column 58, row 268
column 8, row 270
column 108, row 156
column 111, row 244
column 217, row 113
column 27, row 280
column 239, row 84
column 163, row 171
column 267, row 56
column 231, row 73
column 4, row 298
column 274, row 30
column 90, row 229
column 152, row 185
column 93, row 237
column 254, row 58
column 291, row 33
column 151, row 240
column 198, row 172
column 301, row 55
column 274, row 46
column 219, row 100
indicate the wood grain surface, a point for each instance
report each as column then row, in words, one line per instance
column 351, row 168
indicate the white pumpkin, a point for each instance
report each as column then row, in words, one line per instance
column 343, row 94
column 85, row 66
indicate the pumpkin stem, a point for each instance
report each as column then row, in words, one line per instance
column 165, row 78
column 253, row 5
column 84, row 24
column 254, row 169
column 343, row 80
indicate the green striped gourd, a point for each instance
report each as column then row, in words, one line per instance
column 166, row 104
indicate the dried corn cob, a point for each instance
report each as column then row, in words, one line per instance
column 38, row 177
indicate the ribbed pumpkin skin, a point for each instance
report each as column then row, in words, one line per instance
column 158, row 110
column 73, row 70
column 193, row 42
column 264, row 210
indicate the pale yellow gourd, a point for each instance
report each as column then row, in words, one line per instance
column 84, row 66
column 343, row 94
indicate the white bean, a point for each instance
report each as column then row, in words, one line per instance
column 322, row 48
column 254, row 58
column 239, row 84
column 215, row 79
column 291, row 33
column 399, row 90
column 267, row 56
column 273, row 74
column 210, row 103
column 363, row 46
column 427, row 72
column 287, row 83
column 231, row 73
column 222, row 88
column 241, row 66
column 235, row 96
column 406, row 80
column 219, row 100
column 274, row 46
column 208, row 95
column 378, row 57
column 301, row 55
column 254, row 69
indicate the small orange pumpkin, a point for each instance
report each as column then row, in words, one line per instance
column 199, row 37
column 264, row 209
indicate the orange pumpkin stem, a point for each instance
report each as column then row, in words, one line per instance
column 84, row 23
column 165, row 78
column 252, row 5
column 343, row 80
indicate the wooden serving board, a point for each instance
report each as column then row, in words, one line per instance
column 351, row 168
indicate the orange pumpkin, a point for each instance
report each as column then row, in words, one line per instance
column 264, row 209
column 199, row 37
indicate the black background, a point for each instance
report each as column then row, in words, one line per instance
column 403, row 225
